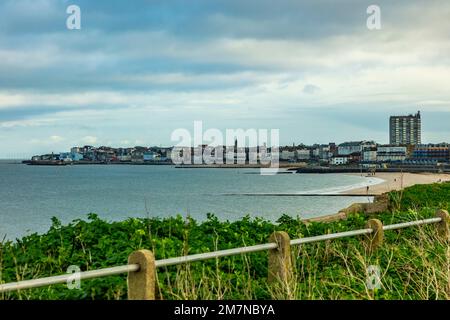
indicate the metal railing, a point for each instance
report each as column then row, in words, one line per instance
column 28, row 284
column 412, row 223
column 134, row 268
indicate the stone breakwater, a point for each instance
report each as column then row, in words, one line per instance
column 380, row 204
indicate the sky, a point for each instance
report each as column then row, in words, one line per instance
column 138, row 70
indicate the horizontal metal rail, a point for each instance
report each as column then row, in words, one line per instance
column 215, row 254
column 27, row 284
column 331, row 236
column 411, row 223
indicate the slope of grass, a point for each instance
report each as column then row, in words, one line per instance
column 414, row 262
column 419, row 196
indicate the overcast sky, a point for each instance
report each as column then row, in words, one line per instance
column 137, row 70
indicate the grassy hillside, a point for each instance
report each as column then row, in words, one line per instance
column 414, row 262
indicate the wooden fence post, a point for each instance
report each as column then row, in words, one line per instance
column 375, row 239
column 280, row 264
column 443, row 226
column 141, row 284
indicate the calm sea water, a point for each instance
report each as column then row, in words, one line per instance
column 31, row 195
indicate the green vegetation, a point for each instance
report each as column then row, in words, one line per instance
column 419, row 196
column 414, row 262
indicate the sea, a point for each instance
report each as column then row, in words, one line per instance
column 31, row 195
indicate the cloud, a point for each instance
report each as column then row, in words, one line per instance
column 90, row 140
column 56, row 139
column 310, row 89
column 138, row 71
column 26, row 123
column 51, row 141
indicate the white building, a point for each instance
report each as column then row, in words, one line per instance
column 325, row 153
column 391, row 153
column 369, row 155
column 303, row 154
column 337, row 161
column 287, row 155
column 347, row 148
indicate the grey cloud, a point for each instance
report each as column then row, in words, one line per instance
column 310, row 89
column 233, row 60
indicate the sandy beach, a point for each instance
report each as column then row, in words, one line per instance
column 398, row 180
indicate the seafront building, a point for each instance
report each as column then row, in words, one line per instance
column 404, row 149
column 390, row 153
column 431, row 153
column 369, row 155
column 339, row 160
column 347, row 153
column 405, row 130
column 354, row 147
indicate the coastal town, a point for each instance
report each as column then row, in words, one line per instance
column 227, row 159
column 405, row 150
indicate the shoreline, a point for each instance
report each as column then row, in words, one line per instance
column 392, row 181
column 396, row 181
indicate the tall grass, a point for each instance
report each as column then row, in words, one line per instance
column 413, row 265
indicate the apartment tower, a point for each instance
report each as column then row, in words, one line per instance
column 405, row 130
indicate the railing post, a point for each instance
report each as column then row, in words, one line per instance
column 443, row 226
column 141, row 284
column 280, row 264
column 375, row 239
